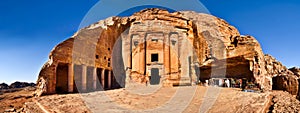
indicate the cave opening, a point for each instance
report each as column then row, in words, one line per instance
column 274, row 84
column 236, row 70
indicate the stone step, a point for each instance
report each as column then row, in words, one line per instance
column 185, row 81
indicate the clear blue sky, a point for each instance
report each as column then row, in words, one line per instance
column 29, row 29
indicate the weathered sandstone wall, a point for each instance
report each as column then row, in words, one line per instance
column 99, row 55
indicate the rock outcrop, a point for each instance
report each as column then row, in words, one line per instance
column 287, row 83
column 274, row 67
column 16, row 85
column 21, row 85
column 99, row 56
column 296, row 71
column 3, row 86
column 282, row 78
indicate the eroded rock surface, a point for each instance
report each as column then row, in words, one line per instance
column 282, row 78
column 207, row 44
column 286, row 83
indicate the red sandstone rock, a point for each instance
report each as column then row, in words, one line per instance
column 207, row 47
column 287, row 83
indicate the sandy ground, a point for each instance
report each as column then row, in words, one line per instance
column 15, row 99
column 153, row 99
column 178, row 99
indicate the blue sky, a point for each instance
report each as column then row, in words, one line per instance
column 30, row 29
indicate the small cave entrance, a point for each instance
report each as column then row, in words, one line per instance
column 62, row 78
column 274, row 84
column 286, row 83
column 278, row 83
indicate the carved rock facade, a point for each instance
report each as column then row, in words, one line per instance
column 177, row 48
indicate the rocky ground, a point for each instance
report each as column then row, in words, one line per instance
column 186, row 99
column 283, row 102
column 14, row 99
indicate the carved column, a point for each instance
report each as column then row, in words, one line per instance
column 52, row 79
column 84, row 68
column 102, row 78
column 71, row 78
column 109, row 80
column 95, row 78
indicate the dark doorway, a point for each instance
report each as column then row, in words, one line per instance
column 154, row 57
column 99, row 82
column 155, row 78
column 106, row 80
column 274, row 84
column 114, row 83
column 90, row 80
column 62, row 78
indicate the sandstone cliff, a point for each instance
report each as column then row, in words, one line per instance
column 218, row 50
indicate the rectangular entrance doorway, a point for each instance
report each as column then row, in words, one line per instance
column 155, row 78
column 62, row 78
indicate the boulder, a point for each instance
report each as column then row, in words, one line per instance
column 282, row 78
column 287, row 83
